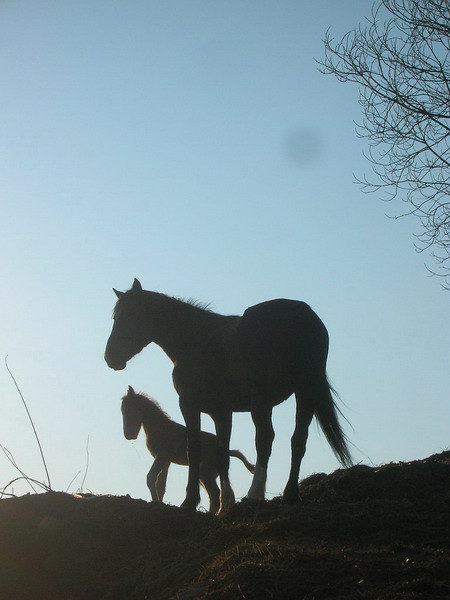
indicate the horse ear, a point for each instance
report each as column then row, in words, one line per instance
column 137, row 287
column 118, row 294
column 130, row 390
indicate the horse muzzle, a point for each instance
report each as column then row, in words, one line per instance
column 120, row 367
column 116, row 365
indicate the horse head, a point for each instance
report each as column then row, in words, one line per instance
column 129, row 334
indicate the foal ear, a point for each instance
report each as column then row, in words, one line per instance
column 118, row 294
column 130, row 390
column 137, row 287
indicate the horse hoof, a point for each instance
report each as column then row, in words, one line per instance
column 227, row 499
column 255, row 495
column 290, row 499
column 290, row 496
column 188, row 506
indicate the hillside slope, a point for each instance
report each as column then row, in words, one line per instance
column 360, row 533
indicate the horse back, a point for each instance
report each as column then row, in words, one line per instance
column 262, row 354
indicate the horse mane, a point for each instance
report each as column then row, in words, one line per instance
column 204, row 306
column 195, row 303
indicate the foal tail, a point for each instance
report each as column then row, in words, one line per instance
column 326, row 412
column 239, row 455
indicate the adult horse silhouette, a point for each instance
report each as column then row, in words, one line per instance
column 167, row 443
column 225, row 364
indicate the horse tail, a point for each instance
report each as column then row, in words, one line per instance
column 326, row 413
column 239, row 455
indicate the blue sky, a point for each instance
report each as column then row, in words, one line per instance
column 196, row 146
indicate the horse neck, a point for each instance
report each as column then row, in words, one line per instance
column 179, row 324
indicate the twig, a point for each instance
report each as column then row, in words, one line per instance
column 39, row 483
column 10, row 457
column 87, row 464
column 32, row 424
column 73, row 479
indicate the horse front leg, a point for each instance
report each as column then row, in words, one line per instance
column 303, row 416
column 192, row 419
column 223, row 424
column 262, row 418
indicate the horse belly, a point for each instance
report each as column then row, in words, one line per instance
column 242, row 393
column 231, row 397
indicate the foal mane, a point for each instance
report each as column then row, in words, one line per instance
column 148, row 399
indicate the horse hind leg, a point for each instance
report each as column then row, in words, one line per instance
column 303, row 416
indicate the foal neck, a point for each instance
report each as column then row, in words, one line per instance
column 152, row 414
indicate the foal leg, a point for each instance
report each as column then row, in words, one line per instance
column 159, row 465
column 213, row 491
column 192, row 419
column 262, row 418
column 161, row 481
column 223, row 431
column 304, row 414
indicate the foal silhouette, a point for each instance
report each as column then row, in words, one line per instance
column 167, row 443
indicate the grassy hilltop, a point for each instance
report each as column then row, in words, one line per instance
column 361, row 533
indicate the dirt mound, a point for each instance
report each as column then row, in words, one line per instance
column 358, row 533
column 392, row 481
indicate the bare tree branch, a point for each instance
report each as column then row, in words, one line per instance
column 401, row 62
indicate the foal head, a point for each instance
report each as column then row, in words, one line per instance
column 129, row 334
column 131, row 414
